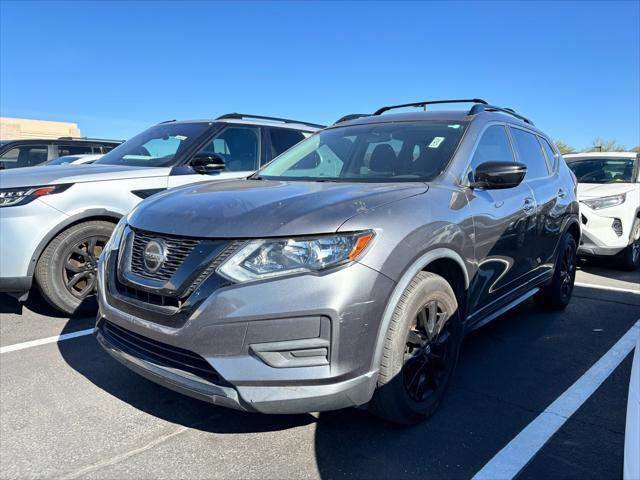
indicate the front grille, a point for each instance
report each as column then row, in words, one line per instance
column 159, row 353
column 177, row 250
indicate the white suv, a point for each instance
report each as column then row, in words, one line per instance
column 609, row 195
column 56, row 221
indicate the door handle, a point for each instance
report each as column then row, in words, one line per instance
column 529, row 205
column 562, row 193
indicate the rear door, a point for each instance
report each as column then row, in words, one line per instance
column 543, row 179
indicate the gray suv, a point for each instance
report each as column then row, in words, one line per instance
column 346, row 271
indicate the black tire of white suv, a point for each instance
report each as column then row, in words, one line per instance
column 66, row 270
column 420, row 351
column 630, row 256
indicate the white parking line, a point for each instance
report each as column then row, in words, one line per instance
column 508, row 462
column 44, row 341
column 604, row 287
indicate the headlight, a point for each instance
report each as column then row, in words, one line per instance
column 605, row 202
column 116, row 236
column 260, row 259
column 11, row 197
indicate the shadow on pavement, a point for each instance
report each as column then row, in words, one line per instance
column 602, row 267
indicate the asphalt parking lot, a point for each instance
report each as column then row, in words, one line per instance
column 67, row 410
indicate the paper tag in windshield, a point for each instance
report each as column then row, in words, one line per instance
column 180, row 137
column 435, row 143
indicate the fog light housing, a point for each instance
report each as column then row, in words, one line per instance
column 617, row 226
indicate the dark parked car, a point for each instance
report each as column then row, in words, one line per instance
column 347, row 270
column 30, row 152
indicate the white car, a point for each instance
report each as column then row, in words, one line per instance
column 72, row 160
column 56, row 221
column 609, row 195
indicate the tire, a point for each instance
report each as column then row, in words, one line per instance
column 630, row 257
column 557, row 295
column 66, row 270
column 417, row 366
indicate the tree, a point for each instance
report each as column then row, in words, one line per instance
column 563, row 147
column 603, row 145
column 636, row 149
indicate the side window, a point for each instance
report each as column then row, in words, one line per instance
column 552, row 158
column 283, row 139
column 64, row 150
column 530, row 153
column 494, row 146
column 25, row 156
column 239, row 146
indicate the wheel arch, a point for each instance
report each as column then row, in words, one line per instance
column 86, row 216
column 438, row 260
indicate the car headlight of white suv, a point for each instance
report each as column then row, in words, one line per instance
column 605, row 202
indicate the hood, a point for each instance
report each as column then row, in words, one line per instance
column 595, row 190
column 51, row 175
column 263, row 208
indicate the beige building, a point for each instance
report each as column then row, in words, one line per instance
column 20, row 128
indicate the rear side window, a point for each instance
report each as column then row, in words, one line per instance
column 64, row 150
column 530, row 153
column 552, row 158
column 494, row 146
column 282, row 139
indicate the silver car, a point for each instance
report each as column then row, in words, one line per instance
column 346, row 271
column 55, row 222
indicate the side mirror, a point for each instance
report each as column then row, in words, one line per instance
column 496, row 175
column 207, row 163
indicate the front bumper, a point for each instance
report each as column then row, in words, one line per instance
column 22, row 228
column 599, row 237
column 289, row 345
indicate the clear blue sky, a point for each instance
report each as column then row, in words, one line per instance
column 116, row 68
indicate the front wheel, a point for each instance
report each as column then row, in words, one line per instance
column 420, row 351
column 66, row 270
column 630, row 256
column 557, row 294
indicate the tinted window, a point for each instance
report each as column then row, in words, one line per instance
column 404, row 151
column 239, row 146
column 493, row 146
column 283, row 139
column 25, row 156
column 64, row 150
column 552, row 158
column 530, row 153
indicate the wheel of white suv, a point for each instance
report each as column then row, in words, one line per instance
column 630, row 256
column 557, row 294
column 66, row 270
column 420, row 351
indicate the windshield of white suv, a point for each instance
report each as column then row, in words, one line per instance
column 156, row 147
column 383, row 152
column 603, row 170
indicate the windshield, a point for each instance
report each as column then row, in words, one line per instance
column 603, row 170
column 386, row 152
column 158, row 146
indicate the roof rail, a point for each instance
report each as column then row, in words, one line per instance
column 492, row 108
column 90, row 139
column 352, row 116
column 431, row 102
column 167, row 121
column 262, row 117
